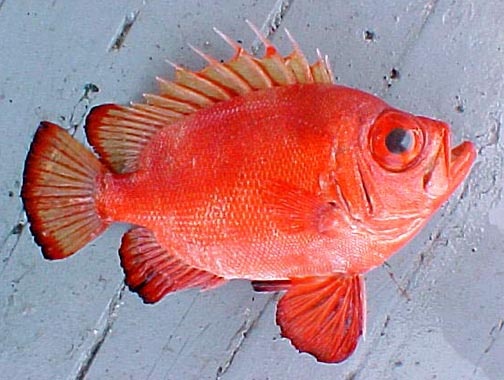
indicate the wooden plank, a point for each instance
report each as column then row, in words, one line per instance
column 73, row 319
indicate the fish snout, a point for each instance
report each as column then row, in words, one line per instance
column 449, row 167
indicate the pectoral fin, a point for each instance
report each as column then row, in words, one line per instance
column 324, row 316
column 297, row 210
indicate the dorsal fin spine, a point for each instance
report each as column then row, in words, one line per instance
column 174, row 90
column 119, row 134
column 197, row 82
column 297, row 62
column 245, row 65
column 142, row 121
column 267, row 44
column 179, row 108
column 221, row 75
column 252, row 72
column 224, row 77
column 274, row 65
column 160, row 114
column 236, row 46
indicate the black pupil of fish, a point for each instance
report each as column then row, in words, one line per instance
column 399, row 140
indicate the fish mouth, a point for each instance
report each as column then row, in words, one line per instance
column 461, row 160
column 449, row 167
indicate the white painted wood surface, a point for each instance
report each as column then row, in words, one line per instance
column 74, row 319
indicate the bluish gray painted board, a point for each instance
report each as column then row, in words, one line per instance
column 448, row 54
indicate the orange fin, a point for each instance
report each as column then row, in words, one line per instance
column 295, row 210
column 272, row 62
column 119, row 134
column 324, row 316
column 271, row 285
column 152, row 271
column 273, row 69
column 58, row 192
column 243, row 73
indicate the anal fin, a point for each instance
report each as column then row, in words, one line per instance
column 152, row 271
column 324, row 316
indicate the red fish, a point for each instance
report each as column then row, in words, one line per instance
column 259, row 169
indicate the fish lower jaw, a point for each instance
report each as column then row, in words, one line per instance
column 461, row 159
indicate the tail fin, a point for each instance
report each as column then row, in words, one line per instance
column 59, row 187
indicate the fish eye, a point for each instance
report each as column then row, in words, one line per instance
column 396, row 140
column 399, row 140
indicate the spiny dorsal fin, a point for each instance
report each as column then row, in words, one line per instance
column 119, row 134
column 243, row 73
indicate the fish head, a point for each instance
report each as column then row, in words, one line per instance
column 396, row 170
column 413, row 158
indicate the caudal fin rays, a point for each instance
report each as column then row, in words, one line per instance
column 59, row 189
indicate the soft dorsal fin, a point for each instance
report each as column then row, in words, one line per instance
column 152, row 271
column 324, row 316
column 119, row 134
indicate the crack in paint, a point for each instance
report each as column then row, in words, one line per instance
column 121, row 33
column 167, row 345
column 495, row 333
column 16, row 231
column 101, row 331
column 272, row 23
column 411, row 279
column 401, row 289
column 413, row 36
column 238, row 338
column 184, row 345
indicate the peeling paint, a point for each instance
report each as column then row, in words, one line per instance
column 121, row 33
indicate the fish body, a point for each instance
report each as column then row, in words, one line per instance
column 226, row 187
column 256, row 169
